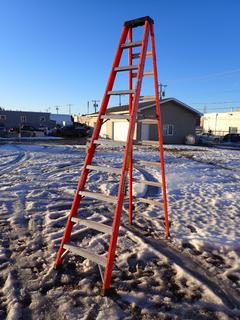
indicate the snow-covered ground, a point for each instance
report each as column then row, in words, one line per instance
column 195, row 275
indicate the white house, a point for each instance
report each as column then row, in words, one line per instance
column 221, row 123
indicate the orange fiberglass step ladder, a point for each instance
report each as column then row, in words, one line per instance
column 135, row 71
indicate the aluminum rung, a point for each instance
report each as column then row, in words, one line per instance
column 131, row 44
column 149, row 201
column 98, row 196
column 142, row 98
column 147, row 163
column 145, row 74
column 150, row 143
column 137, row 55
column 93, row 225
column 104, row 169
column 87, row 254
column 148, row 183
column 111, row 143
column 125, row 68
column 148, row 121
column 115, row 116
column 119, row 92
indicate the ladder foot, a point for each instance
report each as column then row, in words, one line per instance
column 57, row 266
column 168, row 237
column 108, row 292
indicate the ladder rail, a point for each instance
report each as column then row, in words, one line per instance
column 91, row 148
column 126, row 162
column 159, row 129
column 130, row 175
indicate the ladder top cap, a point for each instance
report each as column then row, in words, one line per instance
column 138, row 22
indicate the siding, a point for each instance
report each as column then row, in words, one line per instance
column 14, row 119
column 183, row 121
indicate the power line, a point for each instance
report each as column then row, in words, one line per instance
column 223, row 102
column 206, row 77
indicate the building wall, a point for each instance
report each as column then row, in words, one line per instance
column 220, row 123
column 61, row 119
column 15, row 119
column 182, row 121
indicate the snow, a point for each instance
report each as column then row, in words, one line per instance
column 195, row 275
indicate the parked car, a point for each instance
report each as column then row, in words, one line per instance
column 29, row 131
column 73, row 131
column 3, row 131
column 207, row 139
column 232, row 137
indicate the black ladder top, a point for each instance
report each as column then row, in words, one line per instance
column 138, row 22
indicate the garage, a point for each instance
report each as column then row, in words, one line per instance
column 120, row 130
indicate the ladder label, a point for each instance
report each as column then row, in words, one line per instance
column 124, row 186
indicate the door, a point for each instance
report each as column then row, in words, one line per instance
column 145, row 132
column 120, row 130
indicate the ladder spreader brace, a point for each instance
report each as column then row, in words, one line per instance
column 127, row 166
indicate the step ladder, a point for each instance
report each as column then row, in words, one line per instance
column 135, row 71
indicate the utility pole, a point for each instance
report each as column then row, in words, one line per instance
column 69, row 107
column 57, row 108
column 88, row 107
column 120, row 99
column 95, row 105
column 162, row 90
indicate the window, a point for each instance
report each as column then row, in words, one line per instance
column 3, row 117
column 168, row 129
column 233, row 129
column 23, row 119
column 42, row 119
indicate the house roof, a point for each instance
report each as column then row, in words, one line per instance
column 150, row 104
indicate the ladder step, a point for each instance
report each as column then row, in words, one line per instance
column 148, row 183
column 149, row 143
column 115, row 116
column 104, row 169
column 110, row 143
column 144, row 98
column 131, row 44
column 98, row 196
column 119, row 92
column 87, row 254
column 147, row 163
column 126, row 68
column 93, row 225
column 147, row 121
column 137, row 55
column 149, row 201
column 145, row 74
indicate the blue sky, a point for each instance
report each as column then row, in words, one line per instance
column 56, row 52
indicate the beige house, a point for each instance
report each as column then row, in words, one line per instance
column 178, row 121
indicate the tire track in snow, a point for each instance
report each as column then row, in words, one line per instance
column 11, row 165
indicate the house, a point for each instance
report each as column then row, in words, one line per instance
column 221, row 123
column 178, row 121
column 15, row 119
